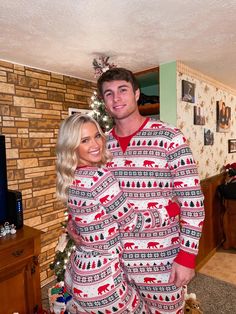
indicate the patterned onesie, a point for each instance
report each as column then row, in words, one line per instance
column 154, row 165
column 94, row 274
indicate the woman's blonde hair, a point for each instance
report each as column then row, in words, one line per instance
column 69, row 138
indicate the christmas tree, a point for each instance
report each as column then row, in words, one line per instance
column 99, row 113
column 65, row 244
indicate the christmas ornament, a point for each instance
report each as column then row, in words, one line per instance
column 101, row 65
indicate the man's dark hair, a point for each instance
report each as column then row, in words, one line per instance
column 117, row 74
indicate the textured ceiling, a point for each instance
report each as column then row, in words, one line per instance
column 65, row 36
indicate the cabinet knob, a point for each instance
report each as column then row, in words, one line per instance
column 17, row 253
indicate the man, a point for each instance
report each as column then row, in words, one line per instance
column 154, row 166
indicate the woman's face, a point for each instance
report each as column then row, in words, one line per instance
column 91, row 145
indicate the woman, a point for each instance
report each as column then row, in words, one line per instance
column 99, row 210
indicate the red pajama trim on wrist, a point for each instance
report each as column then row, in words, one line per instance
column 186, row 259
column 173, row 209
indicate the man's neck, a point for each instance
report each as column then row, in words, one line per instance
column 129, row 125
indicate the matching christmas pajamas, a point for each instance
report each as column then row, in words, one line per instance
column 153, row 166
column 94, row 274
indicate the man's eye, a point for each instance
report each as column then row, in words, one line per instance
column 107, row 94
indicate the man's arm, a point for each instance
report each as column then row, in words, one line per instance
column 188, row 191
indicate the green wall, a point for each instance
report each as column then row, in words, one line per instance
column 168, row 93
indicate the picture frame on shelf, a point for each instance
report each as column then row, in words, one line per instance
column 79, row 110
column 231, row 146
column 188, row 91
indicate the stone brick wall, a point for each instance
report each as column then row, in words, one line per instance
column 32, row 105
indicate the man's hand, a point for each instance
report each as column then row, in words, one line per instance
column 181, row 275
column 71, row 231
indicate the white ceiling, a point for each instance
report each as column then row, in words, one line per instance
column 64, row 36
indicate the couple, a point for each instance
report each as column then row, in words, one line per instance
column 137, row 246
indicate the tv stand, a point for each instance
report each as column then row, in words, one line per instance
column 19, row 271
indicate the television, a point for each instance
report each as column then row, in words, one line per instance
column 3, row 180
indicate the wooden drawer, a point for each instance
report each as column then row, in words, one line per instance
column 19, row 271
column 13, row 254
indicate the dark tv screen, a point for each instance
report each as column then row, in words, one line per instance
column 3, row 180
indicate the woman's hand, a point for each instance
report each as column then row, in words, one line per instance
column 72, row 233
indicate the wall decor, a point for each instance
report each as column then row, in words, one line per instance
column 188, row 91
column 223, row 117
column 232, row 146
column 208, row 137
column 80, row 111
column 198, row 115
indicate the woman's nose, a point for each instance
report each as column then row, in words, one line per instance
column 95, row 143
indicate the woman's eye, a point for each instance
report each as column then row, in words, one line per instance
column 98, row 135
column 84, row 141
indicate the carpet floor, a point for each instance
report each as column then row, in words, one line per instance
column 216, row 296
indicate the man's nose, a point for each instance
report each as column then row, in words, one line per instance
column 116, row 96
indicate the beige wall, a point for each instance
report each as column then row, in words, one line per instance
column 210, row 159
column 32, row 105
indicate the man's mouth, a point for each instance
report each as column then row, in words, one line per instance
column 117, row 107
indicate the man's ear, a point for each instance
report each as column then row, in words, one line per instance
column 137, row 94
column 105, row 107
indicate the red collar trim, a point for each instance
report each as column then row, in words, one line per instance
column 131, row 135
column 125, row 140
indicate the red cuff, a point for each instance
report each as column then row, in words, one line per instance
column 173, row 209
column 186, row 259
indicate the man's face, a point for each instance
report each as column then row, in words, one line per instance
column 120, row 99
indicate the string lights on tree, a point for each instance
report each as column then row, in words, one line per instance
column 65, row 244
column 99, row 113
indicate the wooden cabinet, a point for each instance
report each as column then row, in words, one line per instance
column 229, row 223
column 212, row 232
column 19, row 271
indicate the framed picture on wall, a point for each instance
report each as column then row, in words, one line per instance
column 198, row 115
column 223, row 117
column 208, row 137
column 232, row 146
column 188, row 91
column 78, row 110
